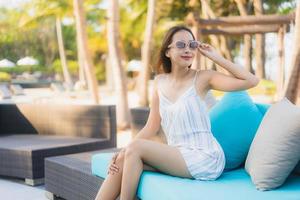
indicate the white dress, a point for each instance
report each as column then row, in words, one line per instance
column 187, row 127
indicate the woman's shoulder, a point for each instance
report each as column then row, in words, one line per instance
column 201, row 74
column 159, row 78
column 205, row 73
column 202, row 80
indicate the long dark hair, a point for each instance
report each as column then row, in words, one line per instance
column 164, row 63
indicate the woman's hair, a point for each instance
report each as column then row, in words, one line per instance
column 164, row 63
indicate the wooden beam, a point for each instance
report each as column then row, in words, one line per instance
column 253, row 29
column 248, row 20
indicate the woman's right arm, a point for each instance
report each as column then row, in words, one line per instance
column 153, row 123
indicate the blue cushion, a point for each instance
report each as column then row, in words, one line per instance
column 263, row 108
column 233, row 185
column 100, row 163
column 297, row 168
column 234, row 122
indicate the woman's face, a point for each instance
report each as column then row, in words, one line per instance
column 181, row 57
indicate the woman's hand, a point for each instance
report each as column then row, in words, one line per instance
column 208, row 51
column 113, row 168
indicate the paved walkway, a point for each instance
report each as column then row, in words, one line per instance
column 15, row 189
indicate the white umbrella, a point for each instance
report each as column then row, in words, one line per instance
column 6, row 63
column 134, row 65
column 27, row 61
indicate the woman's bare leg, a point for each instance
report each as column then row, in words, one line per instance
column 110, row 188
column 163, row 157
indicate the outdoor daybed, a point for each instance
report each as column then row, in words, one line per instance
column 243, row 117
column 31, row 132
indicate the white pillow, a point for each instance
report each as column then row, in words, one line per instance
column 275, row 149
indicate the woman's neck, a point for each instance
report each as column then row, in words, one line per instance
column 179, row 73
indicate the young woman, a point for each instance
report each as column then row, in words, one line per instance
column 178, row 106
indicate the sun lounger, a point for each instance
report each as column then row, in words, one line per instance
column 4, row 92
column 31, row 132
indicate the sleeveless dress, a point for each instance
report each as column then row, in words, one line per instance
column 187, row 127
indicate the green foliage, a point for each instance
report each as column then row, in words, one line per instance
column 4, row 77
column 224, row 8
column 132, row 24
column 100, row 71
column 175, row 10
column 17, row 42
column 69, row 35
column 30, row 30
column 72, row 66
column 20, row 69
column 280, row 6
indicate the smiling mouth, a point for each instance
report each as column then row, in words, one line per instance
column 186, row 57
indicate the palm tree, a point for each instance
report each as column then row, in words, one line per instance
column 62, row 53
column 146, row 54
column 247, row 37
column 292, row 89
column 83, row 48
column 259, row 43
column 220, row 45
column 123, row 115
column 52, row 9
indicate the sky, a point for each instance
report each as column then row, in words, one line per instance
column 16, row 3
column 11, row 3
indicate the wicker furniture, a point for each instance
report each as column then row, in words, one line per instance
column 70, row 176
column 31, row 132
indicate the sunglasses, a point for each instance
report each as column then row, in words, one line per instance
column 193, row 44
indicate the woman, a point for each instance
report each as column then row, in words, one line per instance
column 178, row 106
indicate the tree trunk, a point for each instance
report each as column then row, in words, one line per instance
column 109, row 78
column 199, row 61
column 82, row 44
column 247, row 38
column 46, row 35
column 223, row 41
column 213, row 39
column 62, row 54
column 123, row 114
column 259, row 43
column 293, row 85
column 209, row 14
column 146, row 55
column 82, row 75
column 224, row 47
column 280, row 72
column 196, row 63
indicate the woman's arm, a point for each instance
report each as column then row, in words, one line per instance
column 153, row 123
column 242, row 78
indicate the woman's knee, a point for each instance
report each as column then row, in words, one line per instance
column 120, row 158
column 133, row 148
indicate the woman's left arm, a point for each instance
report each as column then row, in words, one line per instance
column 242, row 79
